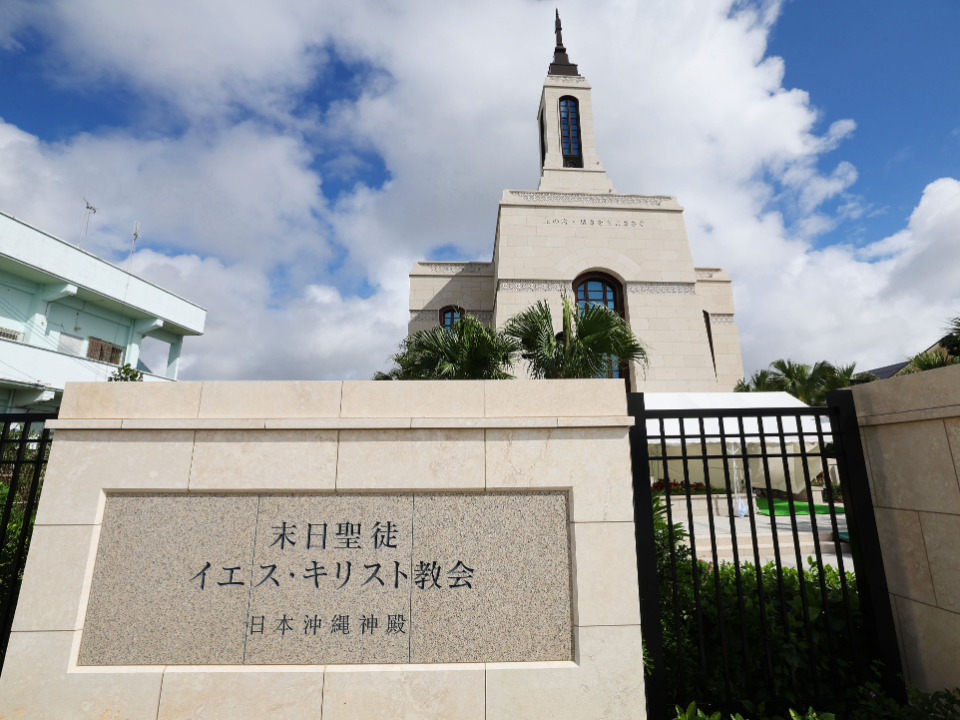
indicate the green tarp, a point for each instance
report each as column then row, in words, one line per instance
column 782, row 507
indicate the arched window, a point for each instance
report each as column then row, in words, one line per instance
column 570, row 132
column 449, row 315
column 600, row 289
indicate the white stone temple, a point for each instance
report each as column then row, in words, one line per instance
column 576, row 235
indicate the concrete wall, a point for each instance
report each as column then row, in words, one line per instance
column 333, row 437
column 911, row 433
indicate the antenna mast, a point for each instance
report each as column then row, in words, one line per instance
column 91, row 210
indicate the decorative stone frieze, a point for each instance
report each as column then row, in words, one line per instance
column 567, row 79
column 704, row 274
column 540, row 286
column 590, row 198
column 455, row 268
column 432, row 315
column 661, row 288
column 721, row 319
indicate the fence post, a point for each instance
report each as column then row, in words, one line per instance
column 650, row 626
column 879, row 633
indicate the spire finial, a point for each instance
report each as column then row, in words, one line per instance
column 561, row 64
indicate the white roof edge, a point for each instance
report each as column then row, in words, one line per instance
column 720, row 400
column 95, row 257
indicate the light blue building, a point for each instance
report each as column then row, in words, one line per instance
column 68, row 316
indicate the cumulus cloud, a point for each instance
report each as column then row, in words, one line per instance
column 232, row 202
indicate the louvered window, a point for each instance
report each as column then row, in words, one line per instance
column 104, row 351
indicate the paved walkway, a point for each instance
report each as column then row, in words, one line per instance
column 785, row 539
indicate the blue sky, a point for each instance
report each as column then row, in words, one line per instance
column 892, row 67
column 289, row 163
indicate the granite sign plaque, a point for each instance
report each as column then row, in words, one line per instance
column 231, row 579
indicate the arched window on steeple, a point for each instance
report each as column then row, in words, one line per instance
column 570, row 132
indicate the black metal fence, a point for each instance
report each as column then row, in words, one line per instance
column 760, row 571
column 24, row 449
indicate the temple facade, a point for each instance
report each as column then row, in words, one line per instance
column 576, row 235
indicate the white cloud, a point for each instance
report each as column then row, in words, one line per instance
column 685, row 102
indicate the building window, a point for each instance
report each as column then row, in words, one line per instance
column 600, row 289
column 449, row 315
column 570, row 132
column 543, row 141
column 713, row 356
column 104, row 351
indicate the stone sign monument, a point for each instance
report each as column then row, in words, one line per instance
column 332, row 550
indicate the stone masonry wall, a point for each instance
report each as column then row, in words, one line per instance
column 911, row 435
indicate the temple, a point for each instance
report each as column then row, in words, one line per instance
column 575, row 234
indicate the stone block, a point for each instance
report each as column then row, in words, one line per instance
column 289, row 399
column 199, row 693
column 557, row 398
column 606, row 592
column 35, row 684
column 606, row 682
column 411, row 459
column 130, row 400
column 920, row 391
column 593, row 462
column 130, row 571
column 84, row 461
column 904, row 556
column 913, row 467
column 931, row 644
column 265, row 459
column 403, row 692
column 53, row 578
column 449, row 398
column 941, row 537
column 522, row 615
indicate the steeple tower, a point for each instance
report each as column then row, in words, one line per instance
column 568, row 154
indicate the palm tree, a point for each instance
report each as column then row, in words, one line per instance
column 469, row 350
column 951, row 342
column 592, row 340
column 760, row 381
column 804, row 382
column 930, row 360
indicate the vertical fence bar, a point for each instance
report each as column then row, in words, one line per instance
column 821, row 574
column 756, row 550
column 26, row 530
column 736, row 554
column 695, row 562
column 801, row 577
column 776, row 542
column 838, row 549
column 716, row 561
column 14, row 486
column 681, row 672
column 644, row 529
column 879, row 632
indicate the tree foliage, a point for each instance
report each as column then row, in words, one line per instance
column 126, row 373
column 592, row 337
column 469, row 350
column 930, row 360
column 807, row 383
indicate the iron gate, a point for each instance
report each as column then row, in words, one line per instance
column 24, row 449
column 759, row 563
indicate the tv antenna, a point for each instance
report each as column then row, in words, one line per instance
column 133, row 241
column 91, row 210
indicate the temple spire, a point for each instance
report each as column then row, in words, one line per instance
column 561, row 64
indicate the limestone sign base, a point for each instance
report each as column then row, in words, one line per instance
column 487, row 525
